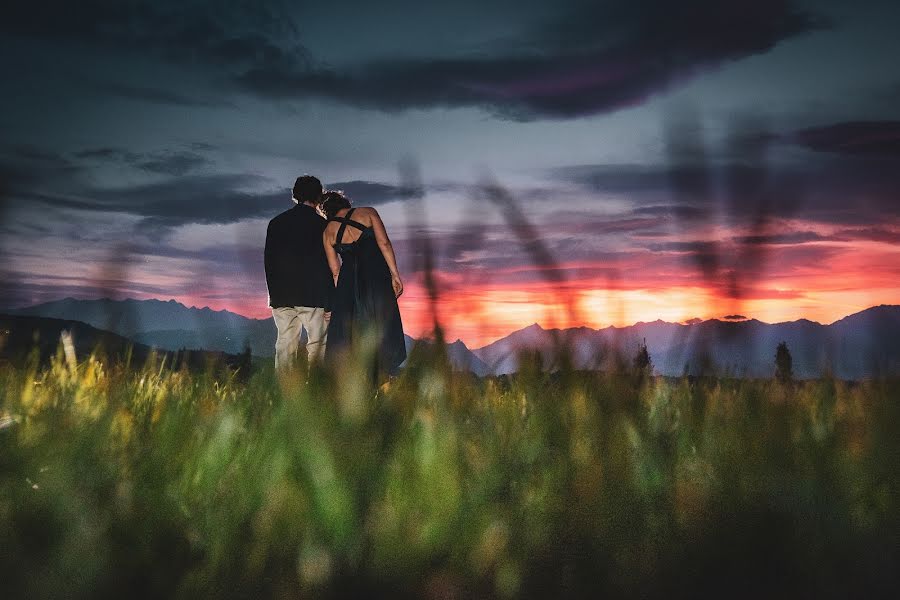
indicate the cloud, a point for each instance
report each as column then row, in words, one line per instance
column 828, row 190
column 786, row 238
column 856, row 138
column 211, row 199
column 154, row 95
column 588, row 224
column 671, row 210
column 168, row 162
column 371, row 192
column 650, row 46
column 24, row 169
column 107, row 153
column 198, row 31
column 734, row 318
column 183, row 197
column 598, row 58
column 173, row 163
column 871, row 234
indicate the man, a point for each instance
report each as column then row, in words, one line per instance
column 297, row 275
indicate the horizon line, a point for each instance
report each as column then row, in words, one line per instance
column 686, row 323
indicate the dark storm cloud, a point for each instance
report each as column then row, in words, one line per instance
column 32, row 177
column 205, row 199
column 630, row 178
column 700, row 247
column 871, row 234
column 205, row 32
column 183, row 197
column 173, row 163
column 799, row 253
column 25, row 168
column 65, row 181
column 154, row 95
column 215, row 199
column 863, row 138
column 781, row 239
column 670, row 210
column 847, row 190
column 597, row 58
column 180, row 200
column 371, row 192
column 651, row 46
column 106, row 153
column 11, row 179
column 590, row 224
column 169, row 162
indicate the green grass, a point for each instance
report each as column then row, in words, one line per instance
column 160, row 484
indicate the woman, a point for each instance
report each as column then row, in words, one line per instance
column 368, row 283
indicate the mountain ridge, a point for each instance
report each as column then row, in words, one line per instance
column 854, row 346
column 859, row 345
column 22, row 334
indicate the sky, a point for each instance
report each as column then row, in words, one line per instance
column 570, row 163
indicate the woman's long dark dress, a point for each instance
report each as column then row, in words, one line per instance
column 364, row 300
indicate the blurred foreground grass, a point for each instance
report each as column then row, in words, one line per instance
column 157, row 483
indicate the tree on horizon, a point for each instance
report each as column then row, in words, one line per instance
column 643, row 364
column 783, row 363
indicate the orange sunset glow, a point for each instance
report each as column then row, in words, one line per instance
column 483, row 306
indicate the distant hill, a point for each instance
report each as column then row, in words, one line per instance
column 858, row 346
column 20, row 335
column 166, row 325
column 458, row 354
column 127, row 317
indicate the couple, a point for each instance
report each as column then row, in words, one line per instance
column 330, row 270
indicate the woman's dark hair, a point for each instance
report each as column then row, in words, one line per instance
column 332, row 202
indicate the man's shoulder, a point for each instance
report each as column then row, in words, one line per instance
column 283, row 216
column 296, row 216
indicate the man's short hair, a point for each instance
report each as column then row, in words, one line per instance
column 307, row 189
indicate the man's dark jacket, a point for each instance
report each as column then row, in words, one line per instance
column 297, row 272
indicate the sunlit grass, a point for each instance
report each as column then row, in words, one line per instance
column 115, row 481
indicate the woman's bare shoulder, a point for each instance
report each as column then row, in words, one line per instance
column 364, row 214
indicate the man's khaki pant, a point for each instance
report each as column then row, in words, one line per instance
column 290, row 321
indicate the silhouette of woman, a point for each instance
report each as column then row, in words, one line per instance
column 367, row 282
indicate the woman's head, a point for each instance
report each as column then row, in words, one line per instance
column 332, row 202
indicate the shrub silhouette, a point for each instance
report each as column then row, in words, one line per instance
column 643, row 365
column 783, row 363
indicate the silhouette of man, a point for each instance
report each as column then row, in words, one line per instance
column 297, row 275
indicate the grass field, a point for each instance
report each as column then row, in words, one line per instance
column 157, row 483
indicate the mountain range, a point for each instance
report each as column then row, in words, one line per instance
column 22, row 334
column 167, row 325
column 860, row 345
